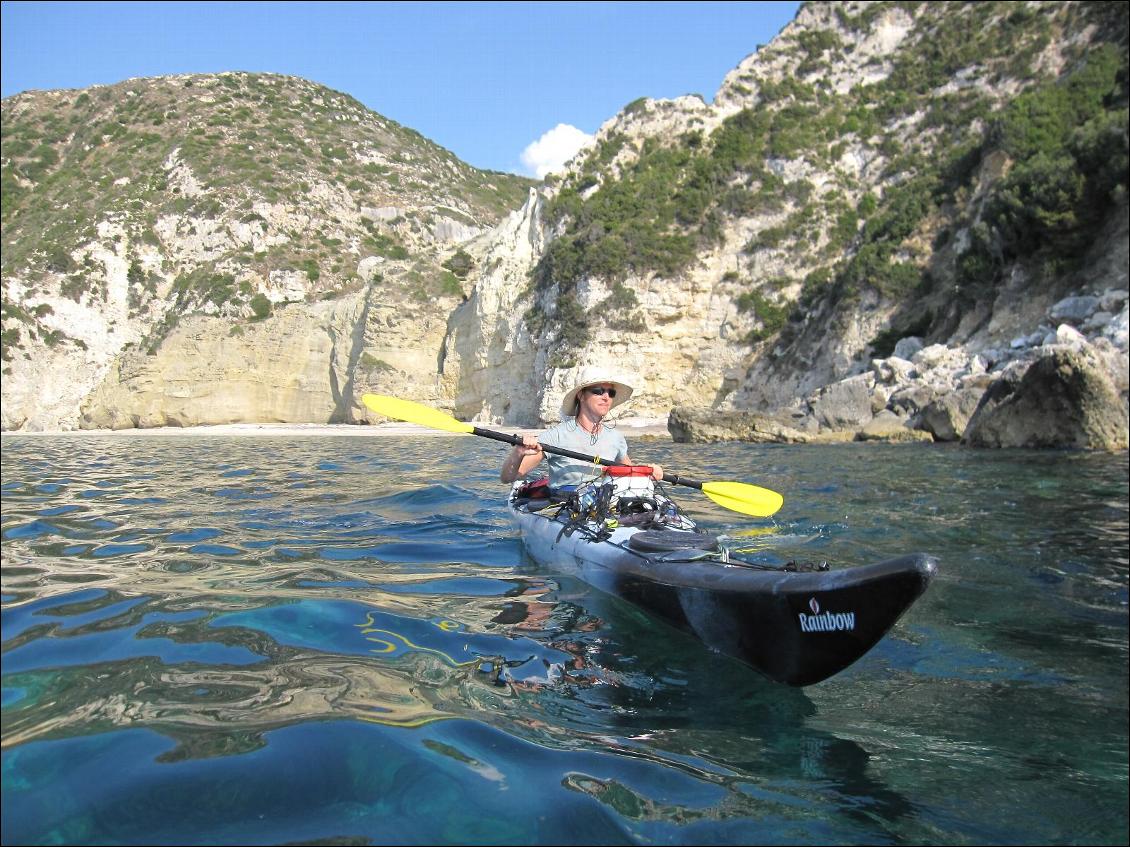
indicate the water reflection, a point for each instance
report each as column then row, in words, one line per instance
column 217, row 683
column 200, row 636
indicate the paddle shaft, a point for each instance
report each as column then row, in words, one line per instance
column 570, row 454
column 735, row 496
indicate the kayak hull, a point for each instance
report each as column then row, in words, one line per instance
column 795, row 627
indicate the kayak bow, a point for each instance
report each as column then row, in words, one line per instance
column 797, row 627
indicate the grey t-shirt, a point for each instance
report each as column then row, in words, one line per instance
column 568, row 435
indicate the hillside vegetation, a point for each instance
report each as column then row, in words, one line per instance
column 213, row 184
column 1005, row 88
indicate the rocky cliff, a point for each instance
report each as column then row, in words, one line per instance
column 879, row 171
column 232, row 247
column 888, row 204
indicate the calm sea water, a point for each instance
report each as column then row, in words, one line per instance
column 272, row 640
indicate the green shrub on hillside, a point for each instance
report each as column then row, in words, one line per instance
column 873, row 265
column 1069, row 143
column 203, row 285
column 260, row 306
column 1043, row 118
column 461, row 264
column 843, row 230
column 771, row 315
column 449, row 285
column 379, row 244
column 9, row 343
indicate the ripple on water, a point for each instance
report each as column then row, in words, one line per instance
column 193, row 535
column 189, row 623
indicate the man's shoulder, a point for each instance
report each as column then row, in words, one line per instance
column 555, row 432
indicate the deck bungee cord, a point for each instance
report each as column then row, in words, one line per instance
column 595, row 510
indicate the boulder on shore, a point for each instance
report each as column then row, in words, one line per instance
column 691, row 425
column 947, row 417
column 1064, row 399
column 846, row 404
column 889, row 427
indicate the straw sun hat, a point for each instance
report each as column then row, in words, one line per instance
column 594, row 375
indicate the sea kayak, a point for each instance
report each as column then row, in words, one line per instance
column 796, row 624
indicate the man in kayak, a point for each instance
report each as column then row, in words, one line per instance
column 582, row 430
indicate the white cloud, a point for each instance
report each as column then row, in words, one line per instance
column 554, row 149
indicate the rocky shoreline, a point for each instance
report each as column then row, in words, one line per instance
column 1057, row 388
column 649, row 428
column 1061, row 387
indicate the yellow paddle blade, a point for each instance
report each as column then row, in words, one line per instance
column 744, row 498
column 406, row 410
column 755, row 532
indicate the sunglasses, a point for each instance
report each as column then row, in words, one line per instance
column 600, row 391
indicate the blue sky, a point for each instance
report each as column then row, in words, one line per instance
column 485, row 80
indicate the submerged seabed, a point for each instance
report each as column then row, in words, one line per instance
column 226, row 640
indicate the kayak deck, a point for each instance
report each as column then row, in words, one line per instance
column 794, row 626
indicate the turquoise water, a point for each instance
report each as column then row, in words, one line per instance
column 273, row 640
